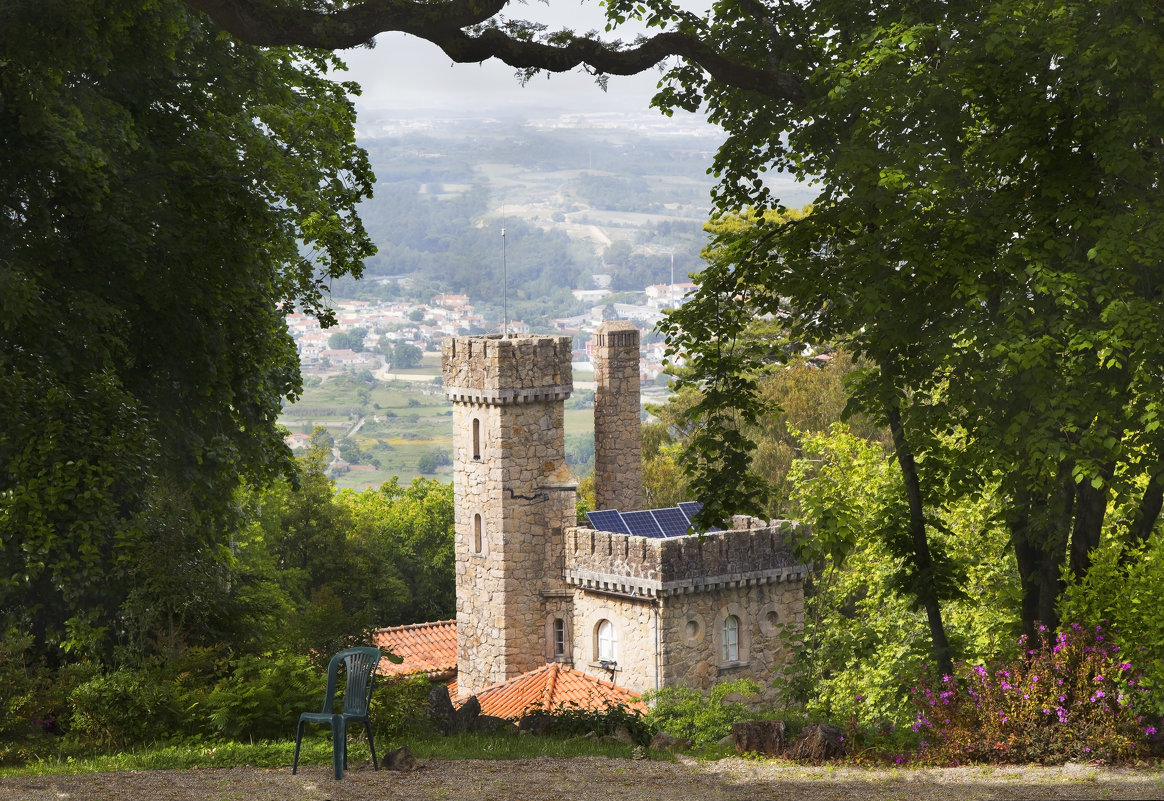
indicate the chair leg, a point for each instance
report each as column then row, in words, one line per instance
column 371, row 744
column 339, row 738
column 298, row 741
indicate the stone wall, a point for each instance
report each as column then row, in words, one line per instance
column 669, row 599
column 628, row 564
column 691, row 630
column 618, row 457
column 513, row 497
column 494, row 369
column 635, row 649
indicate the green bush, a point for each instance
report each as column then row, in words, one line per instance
column 125, row 707
column 686, row 713
column 263, row 695
column 1069, row 700
column 1125, row 588
column 399, row 708
column 574, row 720
column 20, row 689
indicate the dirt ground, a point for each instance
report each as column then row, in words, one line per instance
column 594, row 779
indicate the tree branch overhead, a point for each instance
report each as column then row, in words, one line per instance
column 462, row 29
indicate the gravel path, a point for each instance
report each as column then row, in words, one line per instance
column 593, row 779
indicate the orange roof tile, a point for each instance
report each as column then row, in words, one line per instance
column 428, row 648
column 551, row 686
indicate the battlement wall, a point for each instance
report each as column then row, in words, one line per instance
column 625, row 564
column 494, row 369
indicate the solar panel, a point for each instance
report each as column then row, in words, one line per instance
column 690, row 509
column 607, row 520
column 672, row 521
column 642, row 524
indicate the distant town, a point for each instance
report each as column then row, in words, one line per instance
column 384, row 324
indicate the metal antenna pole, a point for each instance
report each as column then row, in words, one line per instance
column 672, row 280
column 504, row 288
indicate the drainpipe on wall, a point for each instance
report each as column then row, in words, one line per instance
column 658, row 656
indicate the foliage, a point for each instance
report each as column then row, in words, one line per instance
column 262, row 696
column 126, row 706
column 689, row 714
column 352, row 340
column 1066, row 700
column 864, row 642
column 405, row 356
column 982, row 238
column 34, row 708
column 1124, row 592
column 399, row 708
column 664, row 482
column 168, row 195
column 408, row 531
column 571, row 719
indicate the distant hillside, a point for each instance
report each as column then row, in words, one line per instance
column 573, row 203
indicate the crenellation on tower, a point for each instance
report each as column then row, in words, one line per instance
column 512, row 490
column 534, row 587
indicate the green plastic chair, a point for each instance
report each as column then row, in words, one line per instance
column 360, row 666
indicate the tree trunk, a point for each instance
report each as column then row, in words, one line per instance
column 1039, row 523
column 927, row 592
column 1090, row 508
column 1147, row 513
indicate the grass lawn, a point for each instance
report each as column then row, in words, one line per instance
column 316, row 750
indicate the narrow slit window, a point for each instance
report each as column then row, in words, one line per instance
column 559, row 636
column 477, row 439
column 477, row 533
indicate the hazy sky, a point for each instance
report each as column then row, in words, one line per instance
column 402, row 72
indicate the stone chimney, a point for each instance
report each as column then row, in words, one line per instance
column 618, row 445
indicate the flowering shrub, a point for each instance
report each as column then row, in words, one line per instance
column 1066, row 700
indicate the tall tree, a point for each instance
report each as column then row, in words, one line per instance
column 167, row 194
column 986, row 235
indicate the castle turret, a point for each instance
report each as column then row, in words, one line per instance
column 514, row 496
column 618, row 445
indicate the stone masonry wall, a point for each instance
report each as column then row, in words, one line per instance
column 634, row 633
column 514, row 481
column 691, row 630
column 651, row 566
column 618, row 458
column 493, row 369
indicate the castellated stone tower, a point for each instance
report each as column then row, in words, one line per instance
column 618, row 444
column 514, row 496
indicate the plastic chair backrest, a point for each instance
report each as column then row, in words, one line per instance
column 360, row 667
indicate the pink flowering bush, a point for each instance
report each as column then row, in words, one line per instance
column 1066, row 700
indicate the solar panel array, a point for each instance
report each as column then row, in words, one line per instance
column 674, row 521
column 607, row 520
column 642, row 524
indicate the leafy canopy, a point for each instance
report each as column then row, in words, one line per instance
column 166, row 195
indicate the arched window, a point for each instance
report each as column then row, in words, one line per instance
column 559, row 636
column 604, row 641
column 477, row 439
column 477, row 540
column 731, row 639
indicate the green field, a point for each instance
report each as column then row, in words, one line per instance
column 394, row 422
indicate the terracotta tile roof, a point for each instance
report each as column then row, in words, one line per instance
column 428, row 648
column 550, row 686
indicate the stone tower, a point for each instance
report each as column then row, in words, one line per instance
column 513, row 495
column 618, row 444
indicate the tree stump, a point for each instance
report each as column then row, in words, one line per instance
column 818, row 741
column 759, row 737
